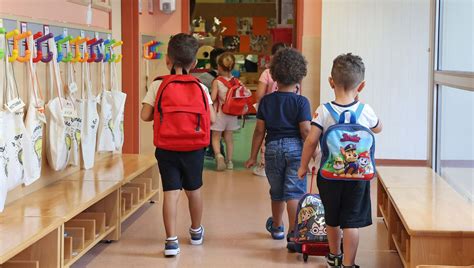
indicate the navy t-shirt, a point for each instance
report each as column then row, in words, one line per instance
column 282, row 113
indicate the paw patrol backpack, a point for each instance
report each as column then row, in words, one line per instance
column 347, row 148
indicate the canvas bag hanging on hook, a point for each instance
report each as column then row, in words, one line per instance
column 75, row 129
column 118, row 107
column 3, row 177
column 90, row 117
column 15, row 145
column 34, row 121
column 105, row 136
column 59, row 115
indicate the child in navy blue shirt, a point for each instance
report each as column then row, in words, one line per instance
column 285, row 118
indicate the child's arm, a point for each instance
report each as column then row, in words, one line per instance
column 258, row 136
column 214, row 91
column 378, row 128
column 308, row 149
column 305, row 127
column 261, row 89
column 147, row 112
column 213, row 114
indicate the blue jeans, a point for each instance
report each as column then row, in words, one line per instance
column 282, row 160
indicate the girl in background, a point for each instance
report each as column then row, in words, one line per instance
column 224, row 123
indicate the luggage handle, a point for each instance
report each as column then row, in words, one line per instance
column 313, row 172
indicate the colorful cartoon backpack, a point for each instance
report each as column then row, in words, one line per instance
column 238, row 98
column 347, row 148
column 310, row 221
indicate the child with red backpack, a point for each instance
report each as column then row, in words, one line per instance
column 231, row 99
column 181, row 110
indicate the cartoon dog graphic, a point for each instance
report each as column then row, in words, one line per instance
column 338, row 166
column 350, row 159
column 365, row 166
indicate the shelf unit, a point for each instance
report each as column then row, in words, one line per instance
column 61, row 222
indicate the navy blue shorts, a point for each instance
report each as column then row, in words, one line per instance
column 346, row 203
column 180, row 170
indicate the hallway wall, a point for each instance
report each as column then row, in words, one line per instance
column 393, row 39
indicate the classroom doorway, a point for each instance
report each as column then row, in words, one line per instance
column 248, row 28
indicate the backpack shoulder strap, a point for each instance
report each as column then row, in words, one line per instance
column 224, row 81
column 333, row 112
column 359, row 110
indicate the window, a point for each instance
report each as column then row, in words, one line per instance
column 456, row 35
column 454, row 93
column 455, row 155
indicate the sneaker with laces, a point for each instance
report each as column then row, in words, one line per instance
column 171, row 247
column 334, row 260
column 220, row 162
column 278, row 233
column 230, row 165
column 197, row 236
column 259, row 171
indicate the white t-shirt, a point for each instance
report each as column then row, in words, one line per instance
column 150, row 97
column 322, row 117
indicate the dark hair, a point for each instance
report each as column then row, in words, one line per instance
column 182, row 50
column 277, row 46
column 213, row 57
column 226, row 61
column 348, row 71
column 288, row 67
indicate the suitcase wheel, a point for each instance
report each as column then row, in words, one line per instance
column 305, row 257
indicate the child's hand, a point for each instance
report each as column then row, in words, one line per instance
column 302, row 171
column 250, row 163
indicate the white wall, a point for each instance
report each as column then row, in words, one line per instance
column 392, row 37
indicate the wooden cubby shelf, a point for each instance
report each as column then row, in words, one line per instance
column 135, row 194
column 61, row 222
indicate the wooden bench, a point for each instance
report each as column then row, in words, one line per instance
column 57, row 224
column 427, row 221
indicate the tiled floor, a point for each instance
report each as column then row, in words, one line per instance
column 236, row 207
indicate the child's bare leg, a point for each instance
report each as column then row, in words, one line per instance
column 170, row 207
column 291, row 207
column 334, row 239
column 195, row 207
column 216, row 142
column 277, row 212
column 351, row 242
column 229, row 144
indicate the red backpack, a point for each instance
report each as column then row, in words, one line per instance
column 182, row 116
column 237, row 99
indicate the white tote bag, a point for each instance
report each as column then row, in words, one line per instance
column 34, row 122
column 3, row 177
column 13, row 129
column 60, row 115
column 105, row 135
column 75, row 127
column 118, row 107
column 90, row 118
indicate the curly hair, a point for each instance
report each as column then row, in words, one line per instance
column 288, row 67
column 348, row 71
column 226, row 61
column 182, row 49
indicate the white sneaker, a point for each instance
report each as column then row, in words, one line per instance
column 220, row 162
column 259, row 171
column 230, row 165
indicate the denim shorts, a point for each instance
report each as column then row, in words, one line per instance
column 282, row 160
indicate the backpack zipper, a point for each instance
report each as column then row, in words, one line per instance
column 198, row 127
